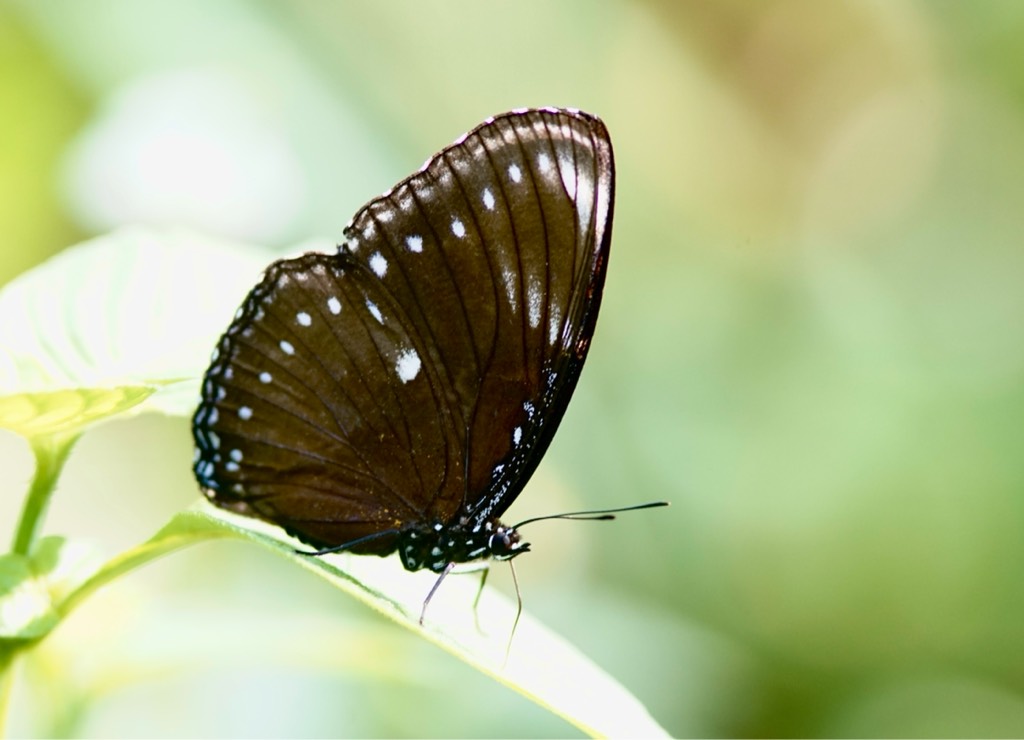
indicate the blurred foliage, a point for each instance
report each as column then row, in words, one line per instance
column 42, row 110
column 812, row 342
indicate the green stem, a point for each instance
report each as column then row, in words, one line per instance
column 6, row 682
column 164, row 542
column 51, row 453
column 134, row 558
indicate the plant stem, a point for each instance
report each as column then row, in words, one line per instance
column 51, row 452
column 130, row 560
column 7, row 658
column 164, row 542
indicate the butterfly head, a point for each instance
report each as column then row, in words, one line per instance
column 504, row 543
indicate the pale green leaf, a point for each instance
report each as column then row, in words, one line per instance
column 32, row 586
column 65, row 411
column 125, row 320
column 540, row 665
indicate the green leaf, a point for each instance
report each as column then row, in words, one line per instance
column 26, row 612
column 30, row 587
column 66, row 411
column 540, row 665
column 125, row 321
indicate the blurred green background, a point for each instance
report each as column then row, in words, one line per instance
column 812, row 343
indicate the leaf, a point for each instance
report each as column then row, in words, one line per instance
column 25, row 609
column 125, row 321
column 64, row 412
column 31, row 586
column 541, row 665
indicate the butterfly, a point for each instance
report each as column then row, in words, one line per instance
column 397, row 395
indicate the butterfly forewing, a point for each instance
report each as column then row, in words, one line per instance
column 500, row 242
column 419, row 374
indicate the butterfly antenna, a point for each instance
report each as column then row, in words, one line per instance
column 597, row 515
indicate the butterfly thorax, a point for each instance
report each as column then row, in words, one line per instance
column 435, row 546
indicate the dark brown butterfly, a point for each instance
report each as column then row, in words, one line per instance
column 399, row 394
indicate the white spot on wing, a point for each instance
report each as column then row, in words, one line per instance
column 334, row 305
column 568, row 169
column 375, row 311
column 517, row 435
column 458, row 228
column 232, row 467
column 585, row 196
column 488, row 199
column 287, row 347
column 544, row 163
column 378, row 264
column 554, row 325
column 303, row 318
column 265, row 377
column 236, row 455
column 509, row 278
column 515, row 173
column 408, row 365
column 533, row 301
column 414, row 242
column 244, row 413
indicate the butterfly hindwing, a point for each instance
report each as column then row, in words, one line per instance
column 315, row 384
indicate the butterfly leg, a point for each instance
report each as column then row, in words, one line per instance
column 519, row 610
column 480, row 592
column 445, row 572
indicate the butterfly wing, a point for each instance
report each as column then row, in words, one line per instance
column 498, row 247
column 419, row 374
column 317, row 413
